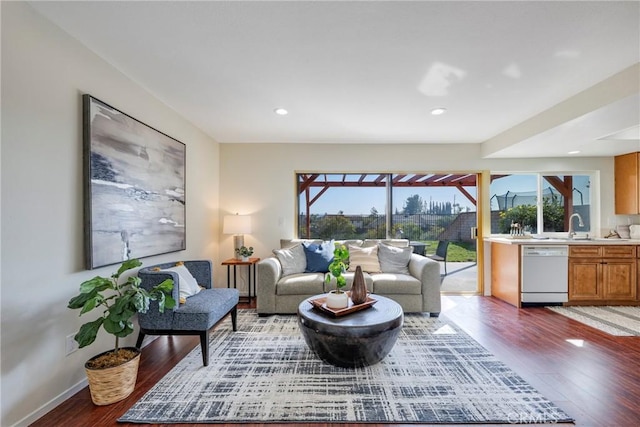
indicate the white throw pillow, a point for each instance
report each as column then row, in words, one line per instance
column 394, row 259
column 188, row 284
column 293, row 259
column 366, row 258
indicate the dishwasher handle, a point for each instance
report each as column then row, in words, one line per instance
column 562, row 251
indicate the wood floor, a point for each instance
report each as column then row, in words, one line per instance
column 595, row 377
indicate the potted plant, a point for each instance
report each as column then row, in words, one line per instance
column 244, row 252
column 112, row 374
column 338, row 298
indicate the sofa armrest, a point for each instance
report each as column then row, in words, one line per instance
column 428, row 272
column 269, row 273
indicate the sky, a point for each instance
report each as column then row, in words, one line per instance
column 361, row 200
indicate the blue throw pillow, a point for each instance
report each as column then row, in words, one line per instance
column 319, row 256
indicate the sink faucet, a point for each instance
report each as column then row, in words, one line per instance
column 580, row 224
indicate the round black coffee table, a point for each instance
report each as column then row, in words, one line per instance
column 356, row 339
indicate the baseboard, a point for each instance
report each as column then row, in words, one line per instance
column 52, row 404
column 59, row 399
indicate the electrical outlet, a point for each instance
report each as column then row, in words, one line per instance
column 70, row 344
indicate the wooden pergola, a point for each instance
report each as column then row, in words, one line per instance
column 324, row 181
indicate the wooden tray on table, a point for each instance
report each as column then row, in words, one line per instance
column 320, row 304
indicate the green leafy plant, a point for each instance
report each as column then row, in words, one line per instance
column 120, row 301
column 244, row 251
column 338, row 266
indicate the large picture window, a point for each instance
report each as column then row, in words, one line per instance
column 423, row 208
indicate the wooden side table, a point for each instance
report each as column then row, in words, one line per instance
column 251, row 262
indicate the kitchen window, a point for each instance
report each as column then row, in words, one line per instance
column 540, row 203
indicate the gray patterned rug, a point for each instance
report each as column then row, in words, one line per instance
column 622, row 321
column 265, row 373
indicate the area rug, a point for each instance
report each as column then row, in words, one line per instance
column 265, row 373
column 623, row 321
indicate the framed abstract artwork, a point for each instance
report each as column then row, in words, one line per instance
column 134, row 184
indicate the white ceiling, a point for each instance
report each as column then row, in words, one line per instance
column 515, row 76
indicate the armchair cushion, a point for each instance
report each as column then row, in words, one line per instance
column 203, row 310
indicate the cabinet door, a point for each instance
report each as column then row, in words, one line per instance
column 619, row 279
column 584, row 279
column 627, row 189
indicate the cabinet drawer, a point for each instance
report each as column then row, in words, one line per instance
column 616, row 251
column 585, row 251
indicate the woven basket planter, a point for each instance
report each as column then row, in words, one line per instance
column 110, row 385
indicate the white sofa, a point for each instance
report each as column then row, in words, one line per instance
column 416, row 290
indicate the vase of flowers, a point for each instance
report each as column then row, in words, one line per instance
column 338, row 298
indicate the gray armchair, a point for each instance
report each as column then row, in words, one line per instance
column 197, row 315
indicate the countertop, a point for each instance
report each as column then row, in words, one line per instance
column 561, row 241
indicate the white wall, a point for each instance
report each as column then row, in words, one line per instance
column 269, row 192
column 44, row 74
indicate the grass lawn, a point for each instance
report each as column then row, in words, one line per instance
column 457, row 252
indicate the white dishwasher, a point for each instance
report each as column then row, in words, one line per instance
column 545, row 274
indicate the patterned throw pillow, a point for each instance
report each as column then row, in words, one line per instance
column 319, row 256
column 394, row 259
column 366, row 258
column 293, row 259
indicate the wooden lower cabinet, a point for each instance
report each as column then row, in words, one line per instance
column 603, row 274
column 584, row 279
column 619, row 280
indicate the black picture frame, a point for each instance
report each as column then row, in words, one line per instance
column 134, row 187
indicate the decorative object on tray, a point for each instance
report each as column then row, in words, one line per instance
column 244, row 252
column 321, row 304
column 358, row 287
column 112, row 374
column 338, row 299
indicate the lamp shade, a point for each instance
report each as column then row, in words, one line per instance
column 236, row 224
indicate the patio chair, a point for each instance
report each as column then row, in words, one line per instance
column 441, row 253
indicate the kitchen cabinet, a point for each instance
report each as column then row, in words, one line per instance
column 505, row 273
column 603, row 274
column 627, row 184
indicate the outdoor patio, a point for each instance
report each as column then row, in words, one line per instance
column 462, row 277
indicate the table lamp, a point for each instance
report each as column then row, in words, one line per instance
column 238, row 225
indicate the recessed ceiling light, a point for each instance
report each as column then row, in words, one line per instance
column 438, row 111
column 281, row 111
column 574, row 152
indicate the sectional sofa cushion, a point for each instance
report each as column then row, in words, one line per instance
column 348, row 276
column 366, row 258
column 394, row 259
column 390, row 284
column 293, row 259
column 301, row 284
column 319, row 256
